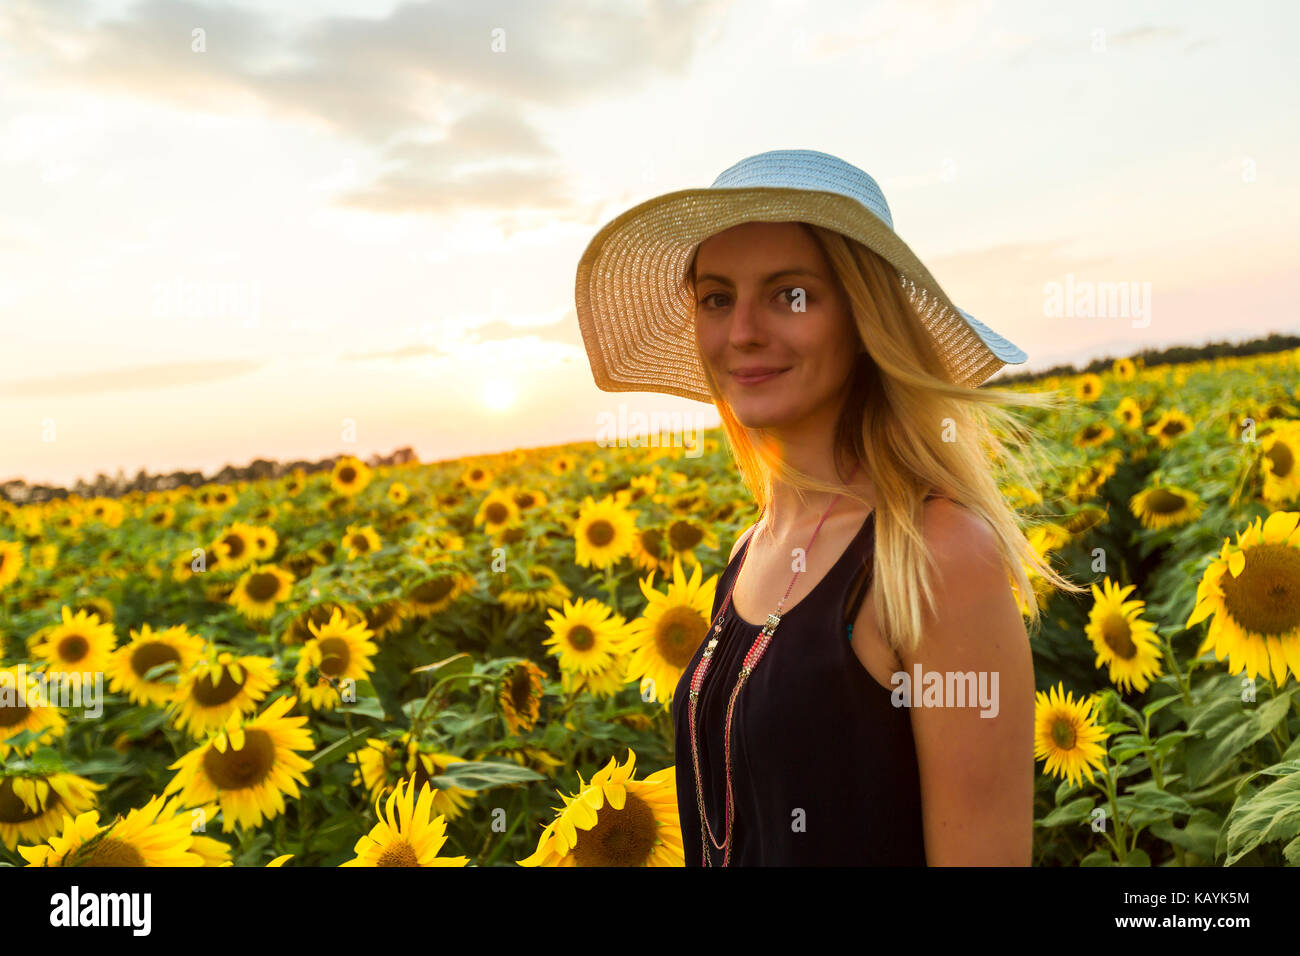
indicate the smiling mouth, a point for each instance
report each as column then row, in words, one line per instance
column 757, row 378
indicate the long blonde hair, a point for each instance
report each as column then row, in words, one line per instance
column 900, row 407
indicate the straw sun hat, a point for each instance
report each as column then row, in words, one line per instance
column 636, row 312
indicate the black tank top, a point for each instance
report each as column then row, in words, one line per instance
column 823, row 765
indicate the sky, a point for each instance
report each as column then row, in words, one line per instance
column 301, row 228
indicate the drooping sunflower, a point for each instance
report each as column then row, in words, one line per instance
column 174, row 650
column 603, row 533
column 23, row 707
column 80, row 644
column 684, row 536
column 1170, row 426
column 497, row 511
column 1166, row 506
column 616, row 820
column 350, row 476
column 436, row 594
column 520, row 696
column 1094, row 434
column 341, row 651
column 1087, row 388
column 385, row 617
column 585, row 635
column 408, row 834
column 11, row 562
column 1280, row 451
column 219, row 685
column 260, row 589
column 1066, row 734
column 662, row 641
column 157, row 834
column 1129, row 412
column 1252, row 590
column 235, row 547
column 248, row 767
column 1083, row 520
column 382, row 764
column 1123, row 640
column 32, row 807
column 360, row 540
column 539, row 588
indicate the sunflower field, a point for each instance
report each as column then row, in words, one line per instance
column 472, row 662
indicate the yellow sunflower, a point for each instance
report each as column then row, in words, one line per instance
column 529, row 499
column 248, row 767
column 1124, row 370
column 24, row 708
column 1066, row 735
column 616, row 820
column 662, row 641
column 596, row 471
column 381, row 765
column 606, row 682
column 407, row 835
column 562, row 465
column 1252, row 590
column 81, row 644
column 1170, row 426
column 360, row 540
column 540, row 588
column 157, row 834
column 11, row 562
column 520, row 696
column 350, row 476
column 1166, row 506
column 32, row 807
column 385, row 617
column 260, row 589
column 436, row 594
column 235, row 547
column 299, row 629
column 585, row 636
column 1129, row 412
column 684, row 537
column 1121, row 638
column 603, row 533
column 1090, row 436
column 477, row 478
column 137, row 667
column 265, row 541
column 1280, row 449
column 1087, row 388
column 341, row 651
column 497, row 511
column 218, row 686
column 398, row 493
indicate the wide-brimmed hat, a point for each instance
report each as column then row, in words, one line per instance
column 636, row 312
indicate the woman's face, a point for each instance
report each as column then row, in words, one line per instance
column 772, row 325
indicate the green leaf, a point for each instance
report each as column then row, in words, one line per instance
column 1230, row 727
column 1158, row 705
column 1076, row 811
column 1147, row 796
column 341, row 747
column 1098, row 858
column 1137, row 857
column 483, row 775
column 1271, row 814
column 1199, row 836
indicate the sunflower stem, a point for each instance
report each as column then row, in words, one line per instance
column 1184, row 682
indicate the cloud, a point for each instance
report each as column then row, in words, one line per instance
column 167, row 375
column 564, row 332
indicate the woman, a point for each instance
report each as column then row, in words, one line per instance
column 884, row 552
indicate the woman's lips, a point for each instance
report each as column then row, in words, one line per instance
column 757, row 378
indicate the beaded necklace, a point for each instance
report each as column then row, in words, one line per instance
column 752, row 657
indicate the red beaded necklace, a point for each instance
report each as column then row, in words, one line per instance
column 752, row 657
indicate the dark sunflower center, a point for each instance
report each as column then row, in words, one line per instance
column 235, row 544
column 240, row 769
column 496, row 512
column 360, row 543
column 73, row 648
column 683, row 535
column 1173, row 428
column 525, row 500
column 600, row 533
column 1091, row 432
column 1116, row 633
column 653, row 541
column 1265, row 598
column 210, row 694
column 620, row 837
column 521, row 688
column 148, row 656
column 347, row 475
column 581, row 637
column 378, row 616
column 262, row 586
column 431, row 592
column 1282, row 457
column 678, row 633
column 334, row 655
column 110, row 851
column 1164, row 502
column 1063, row 734
column 400, row 853
column 13, row 810
column 13, row 714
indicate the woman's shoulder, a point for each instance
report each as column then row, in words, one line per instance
column 954, row 533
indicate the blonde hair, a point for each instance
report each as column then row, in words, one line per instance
column 899, row 402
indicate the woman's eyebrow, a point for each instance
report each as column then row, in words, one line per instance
column 775, row 275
